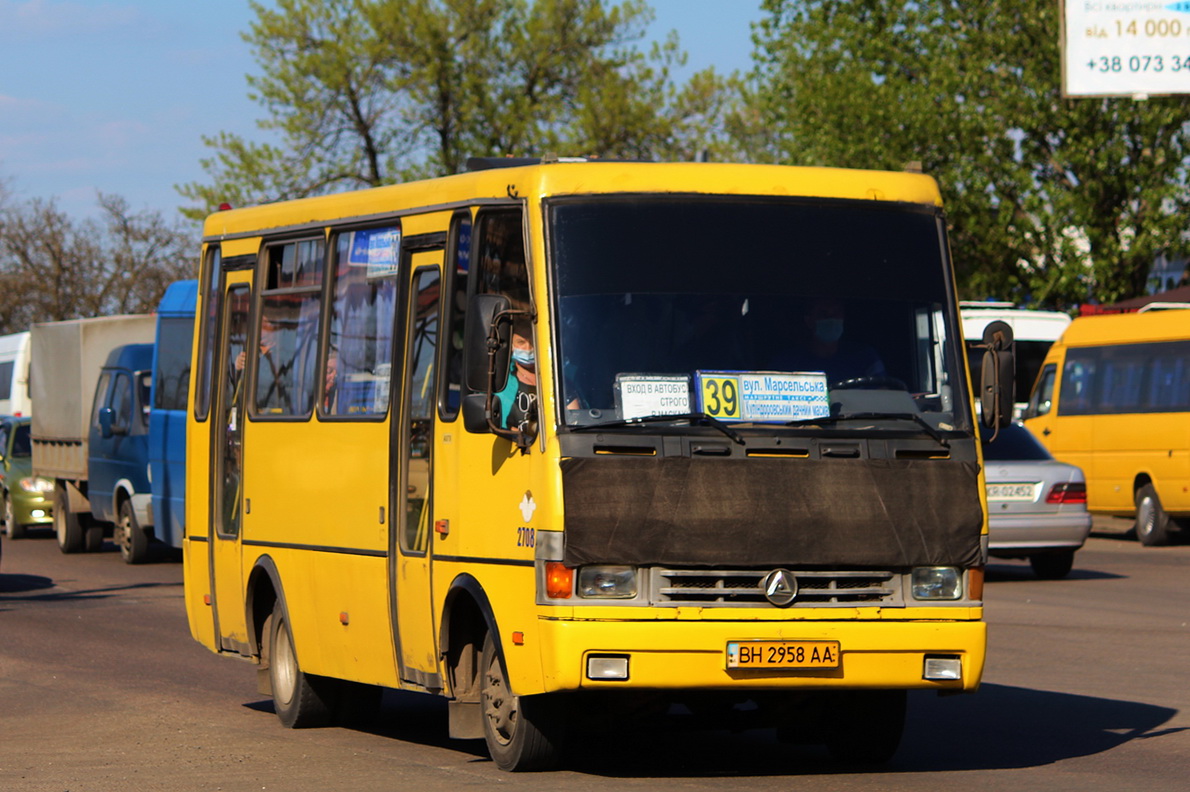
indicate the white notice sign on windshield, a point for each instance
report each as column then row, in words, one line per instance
column 642, row 395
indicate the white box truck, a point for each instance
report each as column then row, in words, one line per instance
column 67, row 358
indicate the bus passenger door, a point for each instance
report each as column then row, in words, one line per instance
column 413, row 473
column 227, row 456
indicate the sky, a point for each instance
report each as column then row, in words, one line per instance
column 115, row 96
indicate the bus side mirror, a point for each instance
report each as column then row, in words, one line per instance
column 997, row 385
column 481, row 334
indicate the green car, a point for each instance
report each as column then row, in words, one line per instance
column 27, row 498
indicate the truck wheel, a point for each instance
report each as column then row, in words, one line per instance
column 1152, row 523
column 132, row 539
column 1052, row 566
column 93, row 531
column 522, row 732
column 66, row 523
column 11, row 529
column 865, row 726
column 298, row 697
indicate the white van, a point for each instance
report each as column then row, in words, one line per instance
column 14, row 375
column 1034, row 331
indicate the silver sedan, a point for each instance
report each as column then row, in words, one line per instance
column 1037, row 506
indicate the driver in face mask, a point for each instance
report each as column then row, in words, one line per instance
column 829, row 350
column 519, row 397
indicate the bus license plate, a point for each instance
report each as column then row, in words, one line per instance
column 783, row 654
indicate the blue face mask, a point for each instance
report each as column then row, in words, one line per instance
column 828, row 331
column 524, row 357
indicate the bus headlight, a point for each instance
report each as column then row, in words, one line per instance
column 607, row 582
column 36, row 485
column 937, row 583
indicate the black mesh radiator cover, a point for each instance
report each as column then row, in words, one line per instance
column 771, row 512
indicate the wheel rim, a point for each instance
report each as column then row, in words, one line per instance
column 1146, row 516
column 124, row 534
column 499, row 704
column 283, row 665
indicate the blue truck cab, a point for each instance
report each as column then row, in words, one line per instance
column 167, row 418
column 118, row 449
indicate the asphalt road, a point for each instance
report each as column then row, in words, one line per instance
column 102, row 688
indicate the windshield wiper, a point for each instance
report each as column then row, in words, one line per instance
column 915, row 417
column 706, row 420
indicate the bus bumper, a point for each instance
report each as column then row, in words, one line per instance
column 693, row 655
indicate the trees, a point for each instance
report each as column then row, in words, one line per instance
column 1050, row 199
column 54, row 268
column 361, row 93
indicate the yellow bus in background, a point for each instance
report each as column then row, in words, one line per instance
column 571, row 442
column 1113, row 397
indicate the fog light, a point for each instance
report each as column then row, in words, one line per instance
column 607, row 667
column 943, row 668
column 937, row 583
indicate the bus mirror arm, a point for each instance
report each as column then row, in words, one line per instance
column 997, row 383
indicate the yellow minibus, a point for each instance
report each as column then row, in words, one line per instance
column 1113, row 397
column 569, row 443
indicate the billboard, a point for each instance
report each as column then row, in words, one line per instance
column 1125, row 48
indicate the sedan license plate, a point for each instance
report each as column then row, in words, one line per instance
column 783, row 654
column 1012, row 492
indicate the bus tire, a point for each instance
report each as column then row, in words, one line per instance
column 1152, row 523
column 865, row 726
column 1052, row 566
column 298, row 698
column 523, row 733
column 67, row 526
column 12, row 529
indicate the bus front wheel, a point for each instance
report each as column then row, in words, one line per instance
column 1152, row 523
column 297, row 699
column 522, row 732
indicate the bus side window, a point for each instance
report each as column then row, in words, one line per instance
column 357, row 363
column 289, row 329
column 457, row 268
column 1042, row 398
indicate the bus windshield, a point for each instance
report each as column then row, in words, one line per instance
column 660, row 300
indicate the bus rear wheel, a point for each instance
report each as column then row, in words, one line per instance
column 297, row 699
column 522, row 732
column 1152, row 523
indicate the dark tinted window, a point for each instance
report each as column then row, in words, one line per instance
column 1014, row 442
column 22, row 443
column 1126, row 378
column 6, row 379
column 174, row 337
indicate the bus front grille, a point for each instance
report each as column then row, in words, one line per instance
column 743, row 588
